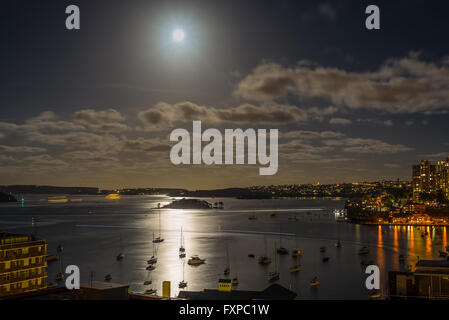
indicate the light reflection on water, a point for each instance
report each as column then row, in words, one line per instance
column 95, row 249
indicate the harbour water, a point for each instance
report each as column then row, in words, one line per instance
column 93, row 231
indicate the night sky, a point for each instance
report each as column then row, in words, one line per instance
column 95, row 106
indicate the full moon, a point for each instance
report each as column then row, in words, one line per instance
column 178, row 35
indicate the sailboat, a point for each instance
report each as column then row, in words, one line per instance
column 274, row 275
column 235, row 280
column 148, row 281
column 153, row 258
column 159, row 239
column 297, row 267
column 315, row 281
column 121, row 255
column 281, row 249
column 227, row 270
column 181, row 248
column 182, row 254
column 265, row 259
column 183, row 283
column 60, row 275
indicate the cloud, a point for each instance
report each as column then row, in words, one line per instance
column 387, row 123
column 340, row 121
column 17, row 149
column 163, row 114
column 309, row 135
column 367, row 146
column 103, row 120
column 405, row 85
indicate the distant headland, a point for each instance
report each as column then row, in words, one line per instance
column 188, row 204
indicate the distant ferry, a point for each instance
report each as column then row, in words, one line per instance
column 113, row 196
column 57, row 199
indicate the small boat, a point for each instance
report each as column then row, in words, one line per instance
column 235, row 281
column 150, row 267
column 443, row 254
column 367, row 262
column 108, row 277
column 264, row 260
column 60, row 248
column 113, row 196
column 59, row 276
column 51, row 257
column 195, row 260
column 314, row 282
column 150, row 291
column 152, row 260
column 282, row 250
column 182, row 255
column 364, row 250
column 338, row 244
column 120, row 256
column 273, row 276
column 323, row 249
column 295, row 268
column 147, row 282
column 250, row 255
column 296, row 253
column 182, row 284
column 252, row 217
column 273, row 215
column 62, row 199
column 325, row 259
column 158, row 240
column 227, row 271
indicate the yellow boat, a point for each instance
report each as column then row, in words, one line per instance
column 113, row 196
column 57, row 199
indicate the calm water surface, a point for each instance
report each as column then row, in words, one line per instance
column 90, row 232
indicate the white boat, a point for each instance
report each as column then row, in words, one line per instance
column 195, row 260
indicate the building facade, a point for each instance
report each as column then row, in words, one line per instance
column 424, row 179
column 22, row 264
column 430, row 179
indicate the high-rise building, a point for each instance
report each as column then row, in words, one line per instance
column 424, row 179
column 22, row 264
column 443, row 177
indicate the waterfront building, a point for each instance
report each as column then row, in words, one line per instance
column 443, row 177
column 430, row 280
column 22, row 264
column 424, row 179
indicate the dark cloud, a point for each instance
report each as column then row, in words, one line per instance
column 405, row 85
